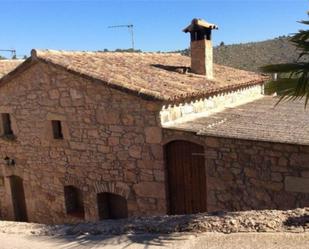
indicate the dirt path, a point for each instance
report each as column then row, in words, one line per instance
column 296, row 220
column 183, row 241
column 264, row 229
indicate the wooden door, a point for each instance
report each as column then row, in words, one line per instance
column 18, row 198
column 187, row 190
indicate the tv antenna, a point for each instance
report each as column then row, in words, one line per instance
column 12, row 51
column 129, row 27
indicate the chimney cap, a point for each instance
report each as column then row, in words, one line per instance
column 198, row 24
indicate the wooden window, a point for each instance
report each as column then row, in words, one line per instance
column 112, row 206
column 6, row 124
column 57, row 129
column 74, row 201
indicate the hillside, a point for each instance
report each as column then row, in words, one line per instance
column 251, row 56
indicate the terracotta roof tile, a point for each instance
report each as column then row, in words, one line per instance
column 257, row 120
column 156, row 75
column 8, row 65
column 198, row 23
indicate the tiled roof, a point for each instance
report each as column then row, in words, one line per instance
column 199, row 23
column 8, row 65
column 158, row 76
column 155, row 75
column 258, row 120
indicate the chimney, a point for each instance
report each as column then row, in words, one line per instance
column 201, row 47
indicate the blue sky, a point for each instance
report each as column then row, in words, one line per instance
column 82, row 25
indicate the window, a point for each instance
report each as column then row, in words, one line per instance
column 57, row 129
column 6, row 124
column 74, row 201
column 112, row 206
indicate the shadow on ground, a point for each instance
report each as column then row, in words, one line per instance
column 140, row 233
column 297, row 221
column 121, row 241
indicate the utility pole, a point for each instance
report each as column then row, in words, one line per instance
column 13, row 52
column 129, row 27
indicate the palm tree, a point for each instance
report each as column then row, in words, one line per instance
column 293, row 82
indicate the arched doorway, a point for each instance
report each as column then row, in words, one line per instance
column 74, row 202
column 111, row 206
column 18, row 198
column 186, row 174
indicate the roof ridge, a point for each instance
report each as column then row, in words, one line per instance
column 62, row 50
column 152, row 75
column 35, row 51
column 11, row 60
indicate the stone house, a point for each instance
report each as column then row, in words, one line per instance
column 103, row 135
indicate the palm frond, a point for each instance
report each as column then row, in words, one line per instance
column 285, row 68
column 280, row 86
column 294, row 77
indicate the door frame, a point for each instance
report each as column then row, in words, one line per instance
column 22, row 216
column 185, row 138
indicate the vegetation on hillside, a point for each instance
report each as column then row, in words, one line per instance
column 251, row 56
column 247, row 56
column 121, row 50
column 294, row 81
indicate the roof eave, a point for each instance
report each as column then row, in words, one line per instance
column 34, row 59
column 143, row 95
column 18, row 70
column 192, row 97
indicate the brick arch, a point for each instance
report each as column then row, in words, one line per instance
column 73, row 181
column 183, row 137
column 119, row 188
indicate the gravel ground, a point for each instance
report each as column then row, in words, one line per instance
column 295, row 221
column 152, row 241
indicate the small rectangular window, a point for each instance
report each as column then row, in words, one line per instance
column 6, row 124
column 57, row 129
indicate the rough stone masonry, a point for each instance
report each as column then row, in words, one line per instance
column 82, row 139
column 112, row 143
column 249, row 174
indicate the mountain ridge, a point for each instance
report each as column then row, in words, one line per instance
column 251, row 56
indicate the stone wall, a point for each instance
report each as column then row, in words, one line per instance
column 244, row 175
column 2, row 195
column 112, row 143
column 210, row 105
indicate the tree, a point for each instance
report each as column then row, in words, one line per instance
column 293, row 81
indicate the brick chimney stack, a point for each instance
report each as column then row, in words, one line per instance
column 201, row 47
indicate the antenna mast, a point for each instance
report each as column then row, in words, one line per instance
column 130, row 28
column 13, row 52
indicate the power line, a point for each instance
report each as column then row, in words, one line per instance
column 131, row 30
column 13, row 52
